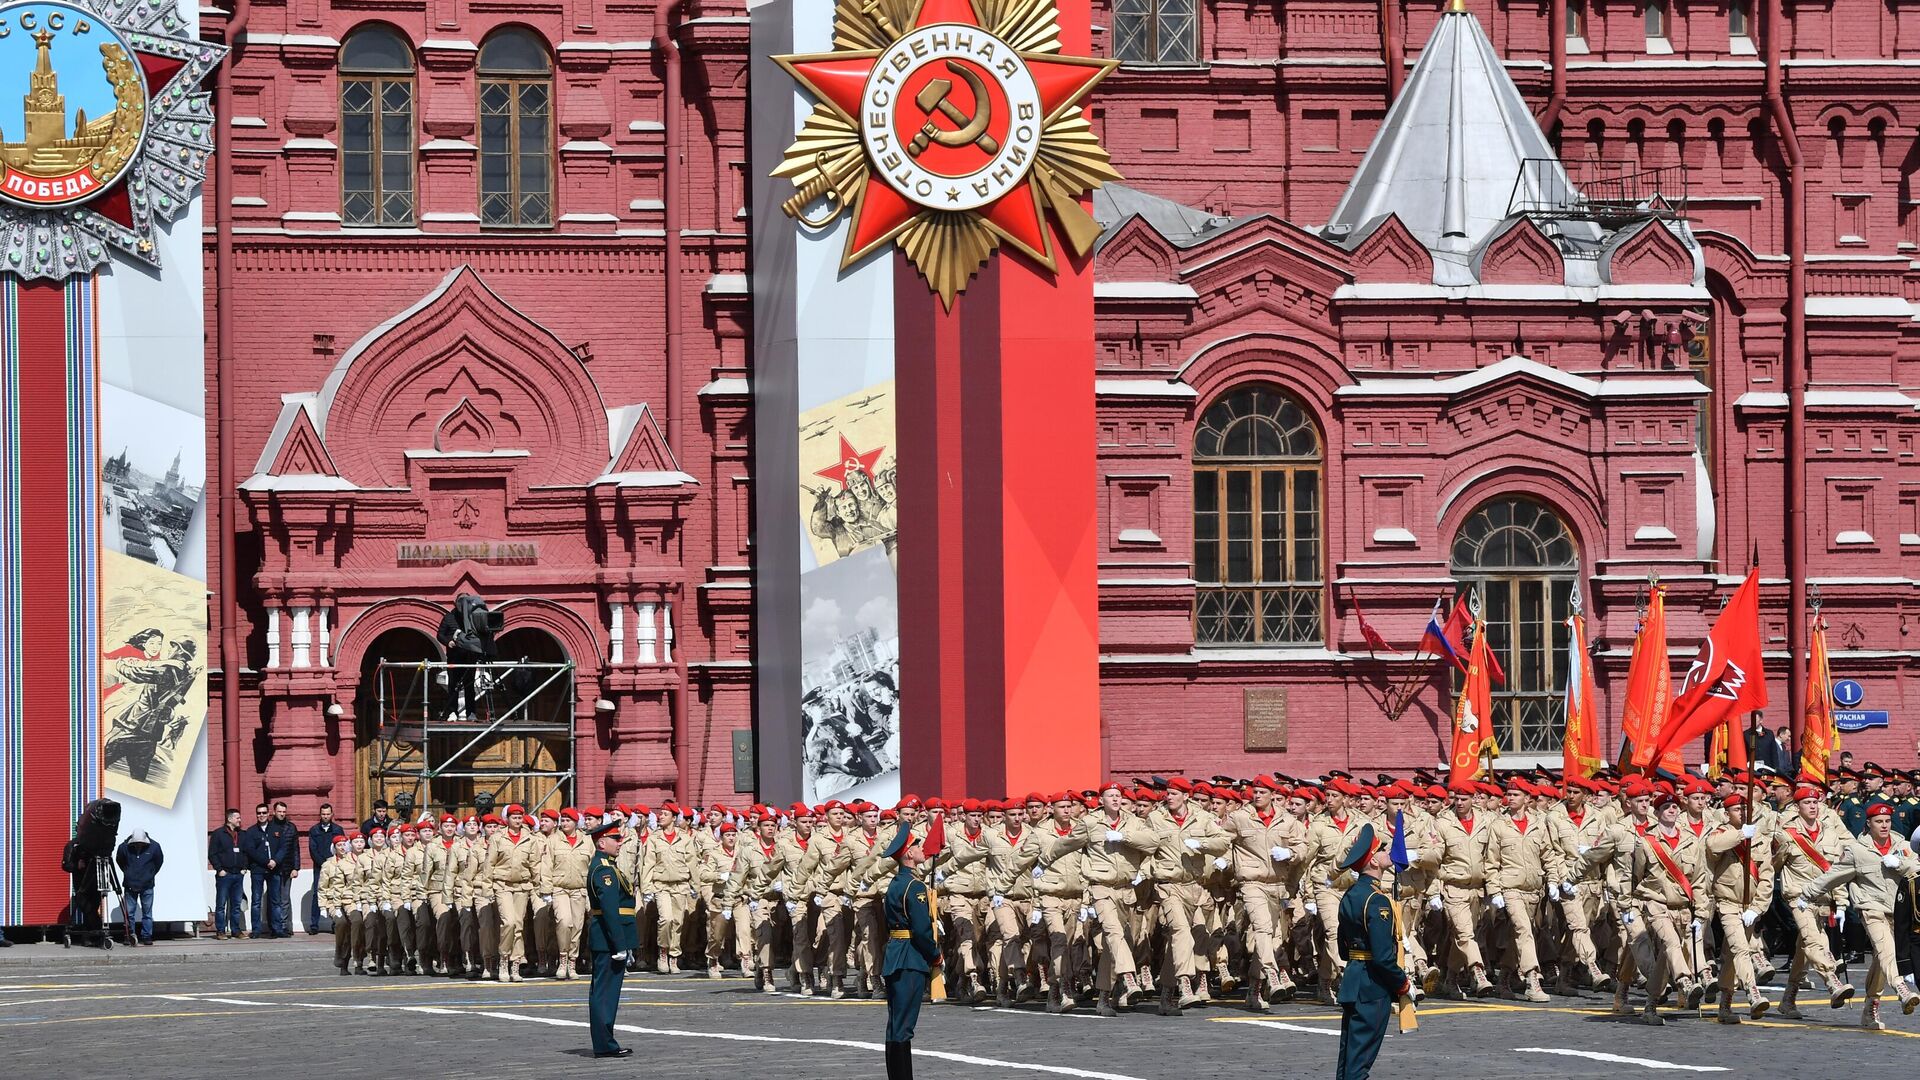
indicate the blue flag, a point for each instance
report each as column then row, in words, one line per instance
column 1397, row 851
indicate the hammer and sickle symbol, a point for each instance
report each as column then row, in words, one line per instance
column 973, row 129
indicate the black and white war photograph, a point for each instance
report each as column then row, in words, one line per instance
column 850, row 695
column 152, row 481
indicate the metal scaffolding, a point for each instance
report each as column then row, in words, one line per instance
column 1612, row 193
column 448, row 745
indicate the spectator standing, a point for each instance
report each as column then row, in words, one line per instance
column 283, row 861
column 226, row 854
column 380, row 819
column 253, row 843
column 320, row 840
column 1763, row 748
column 139, row 859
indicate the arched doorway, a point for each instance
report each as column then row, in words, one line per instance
column 1523, row 559
column 388, row 709
column 531, row 760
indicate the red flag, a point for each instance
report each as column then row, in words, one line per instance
column 1819, row 738
column 1726, row 678
column 1473, row 715
column 1649, row 691
column 1580, row 746
column 936, row 836
column 1374, row 640
column 1449, row 640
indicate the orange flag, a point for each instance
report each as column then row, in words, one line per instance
column 1580, row 748
column 1649, row 690
column 1473, row 713
column 1726, row 679
column 1819, row 737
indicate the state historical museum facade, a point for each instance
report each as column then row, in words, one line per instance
column 490, row 326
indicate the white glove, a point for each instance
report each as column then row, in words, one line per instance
column 1413, row 856
column 780, row 887
column 793, row 909
column 1035, row 918
column 646, row 898
column 696, row 817
column 1192, row 844
column 997, row 900
column 653, row 821
column 545, row 898
column 1499, row 901
column 1313, row 908
column 753, row 907
column 939, row 876
column 1434, row 903
column 847, row 899
column 1840, row 918
column 1747, row 917
column 1039, row 871
column 1407, row 943
column 385, row 906
column 726, row 913
column 1626, row 918
column 1891, row 862
column 1114, row 836
column 1220, row 862
column 725, row 875
column 819, row 899
column 1747, row 831
column 620, row 958
column 1568, row 890
column 1281, row 853
column 1699, row 928
column 1800, row 903
column 1582, row 851
column 1138, row 878
column 1086, row 913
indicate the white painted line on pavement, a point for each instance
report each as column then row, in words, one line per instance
column 1281, row 1024
column 1617, row 1059
column 1030, row 1012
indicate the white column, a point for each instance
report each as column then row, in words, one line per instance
column 618, row 628
column 273, row 637
column 325, row 617
column 648, row 630
column 302, row 639
column 666, row 633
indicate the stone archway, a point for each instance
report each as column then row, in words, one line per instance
column 389, row 703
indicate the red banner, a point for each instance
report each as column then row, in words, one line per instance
column 1726, row 679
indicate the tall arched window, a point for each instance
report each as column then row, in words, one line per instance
column 1256, row 522
column 1522, row 558
column 516, row 132
column 376, row 128
column 1156, row 32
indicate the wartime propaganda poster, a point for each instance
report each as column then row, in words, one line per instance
column 153, row 683
column 850, row 684
column 152, row 477
column 847, row 472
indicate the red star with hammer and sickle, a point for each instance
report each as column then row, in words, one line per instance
column 881, row 211
column 851, row 460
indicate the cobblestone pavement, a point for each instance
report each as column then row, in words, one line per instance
column 281, row 1011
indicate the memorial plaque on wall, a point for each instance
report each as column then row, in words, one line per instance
column 1265, row 717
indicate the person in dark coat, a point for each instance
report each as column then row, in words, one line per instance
column 139, row 859
column 612, row 937
column 1373, row 979
column 226, row 854
column 912, row 952
column 320, row 840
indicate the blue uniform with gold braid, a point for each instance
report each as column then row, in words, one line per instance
column 912, row 953
column 1373, row 978
column 612, row 936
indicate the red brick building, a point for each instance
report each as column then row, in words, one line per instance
column 489, row 333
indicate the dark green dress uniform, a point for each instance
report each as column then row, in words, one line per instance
column 911, row 955
column 610, row 930
column 1373, row 978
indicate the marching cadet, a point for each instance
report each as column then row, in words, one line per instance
column 1323, row 884
column 410, row 894
column 763, row 872
column 611, row 938
column 376, row 867
column 442, row 870
column 832, row 884
column 479, row 925
column 802, row 853
column 1013, row 850
column 666, row 882
column 1062, row 889
column 1875, row 866
column 1580, row 825
column 1266, row 840
column 1116, row 847
column 639, row 822
column 1521, row 860
column 1807, row 847
column 1371, row 980
column 357, row 891
column 912, row 952
column 1736, row 853
column 1189, row 839
column 1670, row 903
column 960, row 877
column 338, row 901
column 516, row 868
column 866, row 922
column 540, row 917
column 723, row 877
column 1463, row 882
column 569, row 852
column 1413, row 885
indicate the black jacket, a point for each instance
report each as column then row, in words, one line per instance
column 227, row 851
column 139, row 864
column 320, row 841
column 283, row 845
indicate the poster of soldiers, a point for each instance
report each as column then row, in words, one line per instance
column 847, row 474
column 151, row 480
column 850, row 688
column 153, row 685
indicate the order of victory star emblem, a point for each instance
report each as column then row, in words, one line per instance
column 947, row 127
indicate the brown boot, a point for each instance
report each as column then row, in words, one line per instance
column 1106, row 1007
column 1168, row 1006
column 1725, row 1014
column 1789, row 1005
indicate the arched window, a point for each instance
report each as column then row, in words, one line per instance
column 1522, row 558
column 1156, row 32
column 1256, row 522
column 516, row 133
column 376, row 128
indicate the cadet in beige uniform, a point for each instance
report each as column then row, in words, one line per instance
column 1062, row 897
column 803, row 850
column 516, row 868
column 763, row 868
column 1521, row 859
column 1876, row 866
column 541, row 918
column 569, row 854
column 867, row 920
column 1013, row 850
column 1329, row 838
column 1671, row 900
column 1740, row 857
column 1266, row 841
column 1807, row 847
column 376, row 872
column 960, row 876
column 723, row 873
column 667, row 883
column 1580, row 827
column 409, row 889
column 1116, row 847
column 1189, row 839
column 1463, row 881
column 444, row 853
column 339, row 901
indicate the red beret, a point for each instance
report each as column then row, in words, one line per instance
column 1036, row 797
column 344, row 838
column 1664, row 799
column 1268, row 782
column 1112, row 785
column 571, row 815
column 1806, row 791
column 444, row 818
column 727, row 827
column 515, row 808
column 492, row 819
column 593, row 811
column 1180, row 783
column 1735, row 799
column 1879, row 808
column 550, row 814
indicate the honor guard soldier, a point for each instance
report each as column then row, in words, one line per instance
column 1373, row 979
column 912, row 952
column 612, row 937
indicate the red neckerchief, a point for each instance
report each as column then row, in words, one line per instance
column 513, row 837
column 1884, row 849
column 1641, row 827
column 1466, row 823
column 1179, row 819
column 1266, row 816
column 801, row 840
column 448, row 844
column 1063, row 830
column 1576, row 816
column 1339, row 823
column 1673, row 868
column 1013, row 835
column 573, row 839
column 1672, row 844
column 767, row 850
column 1520, row 823
column 669, row 834
column 1699, row 828
column 872, row 838
column 972, row 835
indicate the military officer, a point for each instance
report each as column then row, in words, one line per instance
column 912, row 952
column 612, row 936
column 1373, row 979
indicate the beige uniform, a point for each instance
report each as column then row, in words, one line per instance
column 442, row 887
column 339, row 899
column 1578, row 835
column 723, row 879
column 1521, row 859
column 1328, row 840
column 1742, row 887
column 1666, row 906
column 1012, row 854
column 1463, row 880
column 804, row 858
column 1266, row 882
column 961, row 876
column 762, row 867
column 515, row 865
column 671, row 863
column 1804, row 855
column 1187, row 845
column 1061, row 888
column 1865, row 872
column 867, row 921
column 567, row 862
column 1113, row 868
